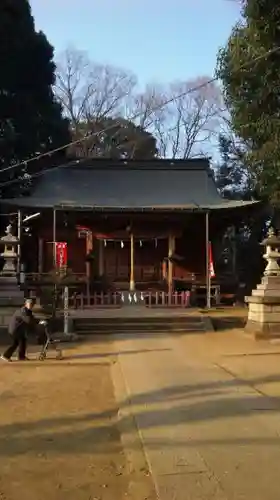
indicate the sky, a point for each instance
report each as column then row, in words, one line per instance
column 158, row 40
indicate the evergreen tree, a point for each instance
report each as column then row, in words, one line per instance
column 121, row 139
column 249, row 69
column 233, row 178
column 31, row 120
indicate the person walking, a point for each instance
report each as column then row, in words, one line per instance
column 22, row 323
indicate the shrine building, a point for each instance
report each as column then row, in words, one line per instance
column 140, row 224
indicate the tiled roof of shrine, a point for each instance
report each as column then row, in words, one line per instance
column 153, row 185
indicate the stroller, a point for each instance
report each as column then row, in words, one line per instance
column 46, row 340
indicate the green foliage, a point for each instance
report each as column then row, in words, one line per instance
column 235, row 181
column 233, row 178
column 31, row 120
column 251, row 84
column 229, row 175
column 123, row 139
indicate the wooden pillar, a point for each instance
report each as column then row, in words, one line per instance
column 164, row 270
column 89, row 247
column 171, row 249
column 40, row 255
column 101, row 258
column 132, row 281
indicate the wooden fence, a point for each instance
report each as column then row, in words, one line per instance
column 118, row 299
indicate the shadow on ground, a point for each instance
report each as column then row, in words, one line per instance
column 99, row 434
column 5, row 338
column 111, row 354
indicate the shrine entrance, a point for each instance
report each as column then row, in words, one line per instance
column 133, row 266
column 139, row 270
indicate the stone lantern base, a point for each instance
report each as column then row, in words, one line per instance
column 264, row 309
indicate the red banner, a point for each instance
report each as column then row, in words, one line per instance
column 211, row 262
column 61, row 253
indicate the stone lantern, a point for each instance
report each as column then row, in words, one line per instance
column 10, row 243
column 272, row 255
column 264, row 303
column 10, row 293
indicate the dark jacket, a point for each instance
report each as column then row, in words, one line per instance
column 22, row 322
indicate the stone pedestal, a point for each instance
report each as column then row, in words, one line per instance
column 264, row 309
column 264, row 303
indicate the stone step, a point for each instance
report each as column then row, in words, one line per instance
column 104, row 320
column 147, row 328
column 267, row 292
column 109, row 325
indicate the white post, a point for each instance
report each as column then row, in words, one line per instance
column 208, row 276
column 132, row 280
column 54, row 238
column 19, row 238
column 40, row 255
column 54, row 259
column 66, row 310
column 234, row 250
column 22, row 275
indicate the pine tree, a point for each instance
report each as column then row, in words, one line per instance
column 31, row 120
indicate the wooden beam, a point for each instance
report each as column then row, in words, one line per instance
column 89, row 247
column 101, row 258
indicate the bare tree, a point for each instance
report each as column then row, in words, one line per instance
column 90, row 91
column 144, row 105
column 183, row 120
column 148, row 110
column 91, row 94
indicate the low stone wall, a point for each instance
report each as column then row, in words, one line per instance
column 264, row 318
column 264, row 313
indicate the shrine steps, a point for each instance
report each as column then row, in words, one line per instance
column 142, row 325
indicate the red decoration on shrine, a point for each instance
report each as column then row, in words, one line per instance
column 61, row 253
column 211, row 262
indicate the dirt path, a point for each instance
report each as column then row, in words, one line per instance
column 59, row 437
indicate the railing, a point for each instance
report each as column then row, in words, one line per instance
column 117, row 299
column 101, row 299
column 166, row 299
